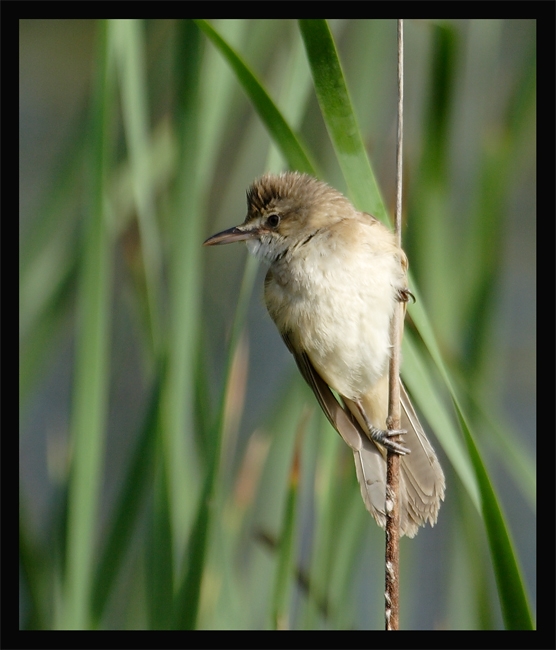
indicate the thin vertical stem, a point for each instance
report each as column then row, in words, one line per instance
column 392, row 568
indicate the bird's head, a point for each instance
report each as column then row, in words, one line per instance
column 283, row 212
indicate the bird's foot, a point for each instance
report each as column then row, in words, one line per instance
column 404, row 295
column 384, row 438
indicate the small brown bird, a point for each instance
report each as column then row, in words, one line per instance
column 335, row 277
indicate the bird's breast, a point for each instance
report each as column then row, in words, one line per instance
column 336, row 307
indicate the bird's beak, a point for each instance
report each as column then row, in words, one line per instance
column 230, row 235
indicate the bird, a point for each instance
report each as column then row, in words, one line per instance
column 334, row 279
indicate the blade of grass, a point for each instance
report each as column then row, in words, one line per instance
column 288, row 142
column 517, row 455
column 91, row 367
column 134, row 489
column 159, row 556
column 186, row 604
column 286, row 548
column 128, row 42
column 339, row 117
column 511, row 589
column 178, row 454
column 33, row 573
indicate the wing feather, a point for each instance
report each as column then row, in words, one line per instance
column 369, row 463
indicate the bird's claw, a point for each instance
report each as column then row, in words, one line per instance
column 404, row 295
column 383, row 437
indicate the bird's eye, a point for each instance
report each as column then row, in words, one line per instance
column 273, row 220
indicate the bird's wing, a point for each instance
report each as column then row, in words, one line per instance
column 370, row 466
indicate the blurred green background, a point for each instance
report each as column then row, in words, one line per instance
column 175, row 471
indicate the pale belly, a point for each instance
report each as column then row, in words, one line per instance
column 340, row 318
